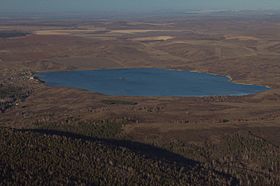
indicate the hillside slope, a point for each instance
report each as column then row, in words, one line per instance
column 33, row 158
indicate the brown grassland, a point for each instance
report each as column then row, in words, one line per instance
column 233, row 139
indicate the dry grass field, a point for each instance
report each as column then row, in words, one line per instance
column 238, row 136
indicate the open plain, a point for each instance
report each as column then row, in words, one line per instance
column 239, row 137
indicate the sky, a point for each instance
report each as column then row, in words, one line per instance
column 132, row 5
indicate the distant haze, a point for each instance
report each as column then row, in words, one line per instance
column 63, row 6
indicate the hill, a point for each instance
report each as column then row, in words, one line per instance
column 34, row 158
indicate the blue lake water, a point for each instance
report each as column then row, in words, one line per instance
column 148, row 82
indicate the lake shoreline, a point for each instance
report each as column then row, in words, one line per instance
column 159, row 71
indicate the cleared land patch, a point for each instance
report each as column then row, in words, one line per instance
column 241, row 38
column 155, row 38
column 63, row 32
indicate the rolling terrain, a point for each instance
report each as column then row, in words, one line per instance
column 232, row 140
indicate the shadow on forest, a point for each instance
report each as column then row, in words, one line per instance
column 147, row 150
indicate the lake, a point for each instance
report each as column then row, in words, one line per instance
column 148, row 82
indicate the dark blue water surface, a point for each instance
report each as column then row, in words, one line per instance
column 148, row 82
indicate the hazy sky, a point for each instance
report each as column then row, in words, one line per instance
column 131, row 5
